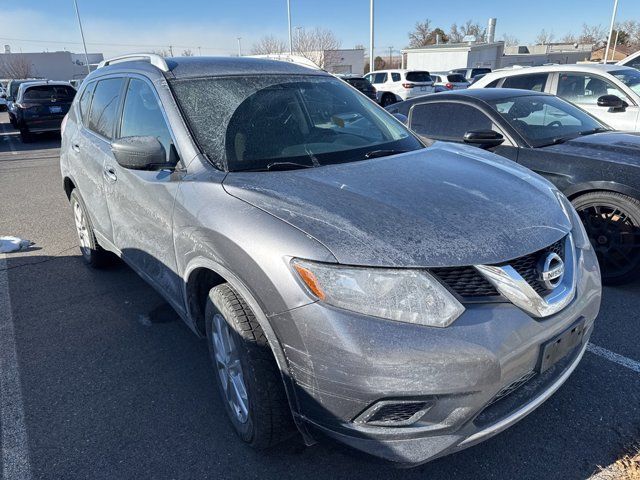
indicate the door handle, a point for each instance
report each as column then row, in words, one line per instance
column 110, row 174
column 75, row 147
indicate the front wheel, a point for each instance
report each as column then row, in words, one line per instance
column 612, row 221
column 246, row 373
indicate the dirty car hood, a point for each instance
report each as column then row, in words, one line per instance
column 447, row 205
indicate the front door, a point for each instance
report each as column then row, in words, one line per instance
column 141, row 202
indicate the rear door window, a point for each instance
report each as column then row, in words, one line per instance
column 418, row 77
column 142, row 115
column 584, row 88
column 380, row 77
column 447, row 121
column 104, row 106
column 536, row 82
column 395, row 77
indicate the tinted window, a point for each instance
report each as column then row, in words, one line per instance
column 447, row 121
column 104, row 106
column 631, row 78
column 252, row 122
column 456, row 78
column 60, row 93
column 395, row 77
column 142, row 115
column 380, row 78
column 543, row 119
column 583, row 88
column 418, row 77
column 359, row 83
column 635, row 63
column 480, row 71
column 85, row 100
column 535, row 81
column 493, row 84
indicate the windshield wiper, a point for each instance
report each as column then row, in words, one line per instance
column 382, row 153
column 594, row 130
column 287, row 166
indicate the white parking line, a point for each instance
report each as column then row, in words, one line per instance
column 13, row 434
column 614, row 357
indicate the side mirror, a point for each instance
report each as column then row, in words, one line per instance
column 139, row 153
column 613, row 102
column 483, row 138
column 402, row 118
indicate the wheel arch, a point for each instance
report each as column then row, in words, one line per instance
column 576, row 190
column 200, row 276
column 69, row 185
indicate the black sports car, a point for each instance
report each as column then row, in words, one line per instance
column 596, row 167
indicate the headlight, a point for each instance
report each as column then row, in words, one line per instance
column 410, row 296
column 580, row 237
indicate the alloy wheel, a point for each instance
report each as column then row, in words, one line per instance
column 82, row 229
column 229, row 368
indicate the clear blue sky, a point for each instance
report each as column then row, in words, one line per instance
column 116, row 26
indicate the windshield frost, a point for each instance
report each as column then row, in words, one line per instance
column 254, row 122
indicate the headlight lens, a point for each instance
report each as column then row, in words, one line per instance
column 410, row 296
column 580, row 237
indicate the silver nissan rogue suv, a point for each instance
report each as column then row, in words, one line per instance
column 405, row 297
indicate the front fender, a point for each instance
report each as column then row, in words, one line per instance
column 575, row 190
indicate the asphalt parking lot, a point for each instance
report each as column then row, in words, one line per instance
column 95, row 384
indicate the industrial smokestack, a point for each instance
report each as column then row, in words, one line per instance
column 491, row 30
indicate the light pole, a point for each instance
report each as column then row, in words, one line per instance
column 289, row 19
column 371, row 55
column 84, row 44
column 390, row 56
column 239, row 47
column 613, row 19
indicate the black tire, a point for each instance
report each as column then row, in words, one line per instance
column 387, row 99
column 612, row 221
column 12, row 121
column 92, row 253
column 269, row 420
column 25, row 135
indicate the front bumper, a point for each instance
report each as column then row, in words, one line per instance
column 343, row 363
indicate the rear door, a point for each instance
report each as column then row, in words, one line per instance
column 91, row 147
column 141, row 202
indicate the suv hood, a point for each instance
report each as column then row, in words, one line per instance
column 610, row 146
column 446, row 205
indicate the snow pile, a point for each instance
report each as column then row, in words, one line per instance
column 13, row 244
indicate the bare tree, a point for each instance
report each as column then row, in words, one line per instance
column 187, row 53
column 544, row 37
column 269, row 44
column 455, row 35
column 162, row 52
column 471, row 28
column 569, row 38
column 592, row 34
column 510, row 40
column 318, row 45
column 632, row 28
column 420, row 34
column 15, row 65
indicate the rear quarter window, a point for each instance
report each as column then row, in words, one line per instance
column 536, row 82
column 85, row 101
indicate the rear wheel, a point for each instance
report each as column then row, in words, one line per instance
column 612, row 221
column 387, row 99
column 92, row 253
column 246, row 373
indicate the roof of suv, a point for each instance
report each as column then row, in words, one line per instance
column 189, row 67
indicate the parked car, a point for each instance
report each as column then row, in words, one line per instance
column 12, row 92
column 632, row 61
column 610, row 93
column 398, row 85
column 41, row 106
column 471, row 73
column 450, row 81
column 3, row 98
column 361, row 84
column 598, row 169
column 350, row 280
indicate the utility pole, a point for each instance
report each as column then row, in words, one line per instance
column 613, row 19
column 170, row 51
column 239, row 47
column 199, row 51
column 390, row 56
column 372, row 56
column 84, row 44
column 289, row 19
column 615, row 43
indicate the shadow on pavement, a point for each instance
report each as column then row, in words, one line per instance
column 110, row 395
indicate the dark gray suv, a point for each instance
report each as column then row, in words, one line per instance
column 351, row 280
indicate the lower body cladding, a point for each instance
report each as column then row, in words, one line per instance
column 409, row 393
